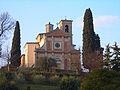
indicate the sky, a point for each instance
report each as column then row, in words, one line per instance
column 34, row 14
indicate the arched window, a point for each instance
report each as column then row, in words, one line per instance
column 66, row 28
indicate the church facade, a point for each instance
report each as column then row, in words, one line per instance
column 57, row 44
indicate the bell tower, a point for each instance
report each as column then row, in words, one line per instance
column 66, row 26
column 49, row 27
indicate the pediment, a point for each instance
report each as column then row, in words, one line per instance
column 57, row 32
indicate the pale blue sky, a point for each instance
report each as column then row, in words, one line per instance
column 34, row 14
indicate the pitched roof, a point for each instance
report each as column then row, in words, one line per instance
column 31, row 43
column 57, row 32
column 40, row 34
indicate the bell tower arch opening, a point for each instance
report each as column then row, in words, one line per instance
column 66, row 26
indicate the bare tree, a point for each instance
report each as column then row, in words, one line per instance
column 6, row 56
column 6, row 25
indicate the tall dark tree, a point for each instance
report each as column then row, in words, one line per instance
column 88, row 32
column 16, row 51
column 91, row 41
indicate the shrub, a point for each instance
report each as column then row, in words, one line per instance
column 54, row 80
column 2, row 80
column 20, row 78
column 10, row 76
column 101, row 79
column 69, row 83
column 38, row 79
column 7, row 81
column 28, row 76
column 9, row 87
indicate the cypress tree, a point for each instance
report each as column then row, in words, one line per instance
column 16, row 51
column 97, row 42
column 88, row 36
column 91, row 41
column 88, row 32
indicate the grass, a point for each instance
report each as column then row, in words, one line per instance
column 37, row 87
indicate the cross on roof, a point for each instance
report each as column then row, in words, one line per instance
column 65, row 18
column 57, row 24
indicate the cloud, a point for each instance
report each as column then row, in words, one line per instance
column 78, row 22
column 105, row 21
column 99, row 21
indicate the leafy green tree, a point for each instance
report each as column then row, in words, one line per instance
column 107, row 57
column 69, row 83
column 102, row 79
column 112, row 57
column 16, row 51
column 52, row 63
column 44, row 64
column 116, row 57
column 49, row 63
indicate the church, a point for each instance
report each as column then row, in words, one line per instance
column 54, row 43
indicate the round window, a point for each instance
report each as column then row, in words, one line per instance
column 57, row 45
